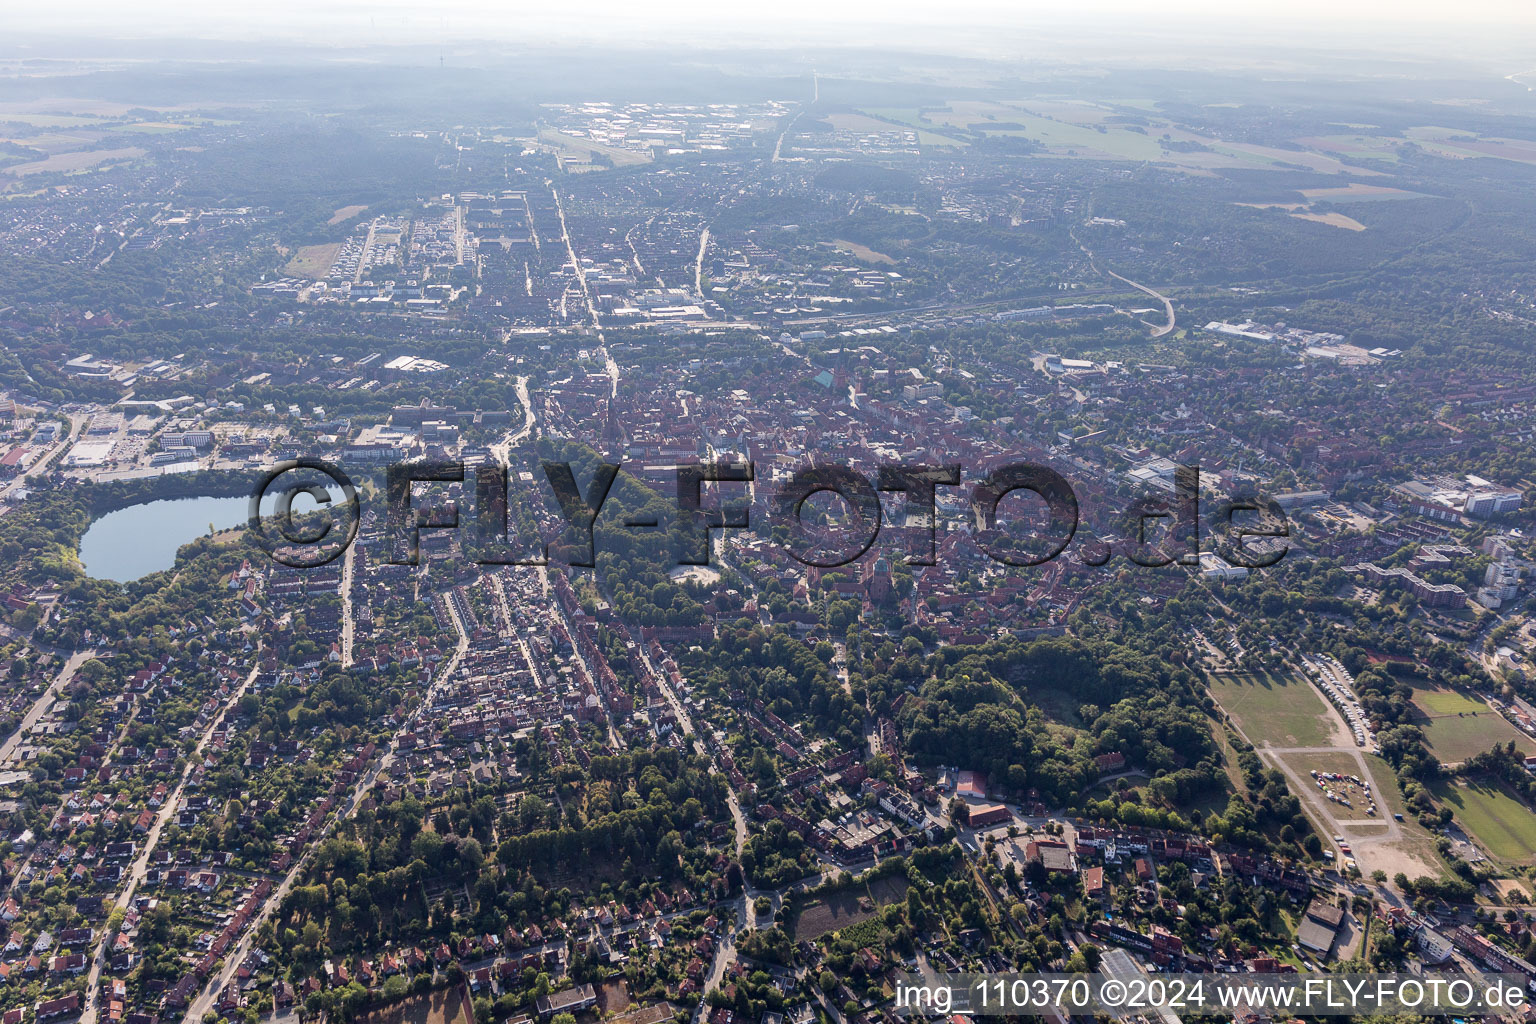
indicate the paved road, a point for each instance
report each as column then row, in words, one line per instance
column 581, row 278
column 75, row 426
column 348, row 568
column 42, row 704
column 1157, row 332
column 140, row 868
column 235, row 957
column 503, row 448
column 698, row 265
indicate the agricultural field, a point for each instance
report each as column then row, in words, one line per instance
column 1106, row 132
column 855, row 122
column 1334, row 219
column 1304, row 211
column 148, row 127
column 77, row 161
column 1355, row 192
column 902, row 117
column 1457, row 726
column 40, row 120
column 1499, row 822
column 1459, row 145
column 1355, row 147
column 1277, row 710
column 56, row 142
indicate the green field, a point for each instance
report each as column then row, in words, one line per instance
column 909, row 117
column 1275, row 710
column 1458, row 726
column 1063, row 136
column 1083, row 130
column 1502, row 825
column 1446, row 702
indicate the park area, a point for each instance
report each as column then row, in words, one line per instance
column 1499, row 822
column 1457, row 726
column 1276, row 709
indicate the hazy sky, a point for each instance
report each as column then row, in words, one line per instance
column 1500, row 24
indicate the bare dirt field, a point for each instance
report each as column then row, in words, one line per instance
column 847, row 907
column 862, row 252
column 1337, row 220
column 445, row 1006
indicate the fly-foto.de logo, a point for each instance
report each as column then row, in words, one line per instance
column 1158, row 530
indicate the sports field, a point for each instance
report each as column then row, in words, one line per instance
column 1275, row 709
column 1501, row 824
column 1458, row 725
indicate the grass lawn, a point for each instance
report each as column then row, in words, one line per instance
column 1458, row 726
column 313, row 261
column 345, row 213
column 1501, row 824
column 1445, row 702
column 1389, row 796
column 1389, row 801
column 862, row 252
column 1280, row 710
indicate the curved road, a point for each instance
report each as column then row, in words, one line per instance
column 1157, row 332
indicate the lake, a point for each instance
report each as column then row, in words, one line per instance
column 140, row 539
